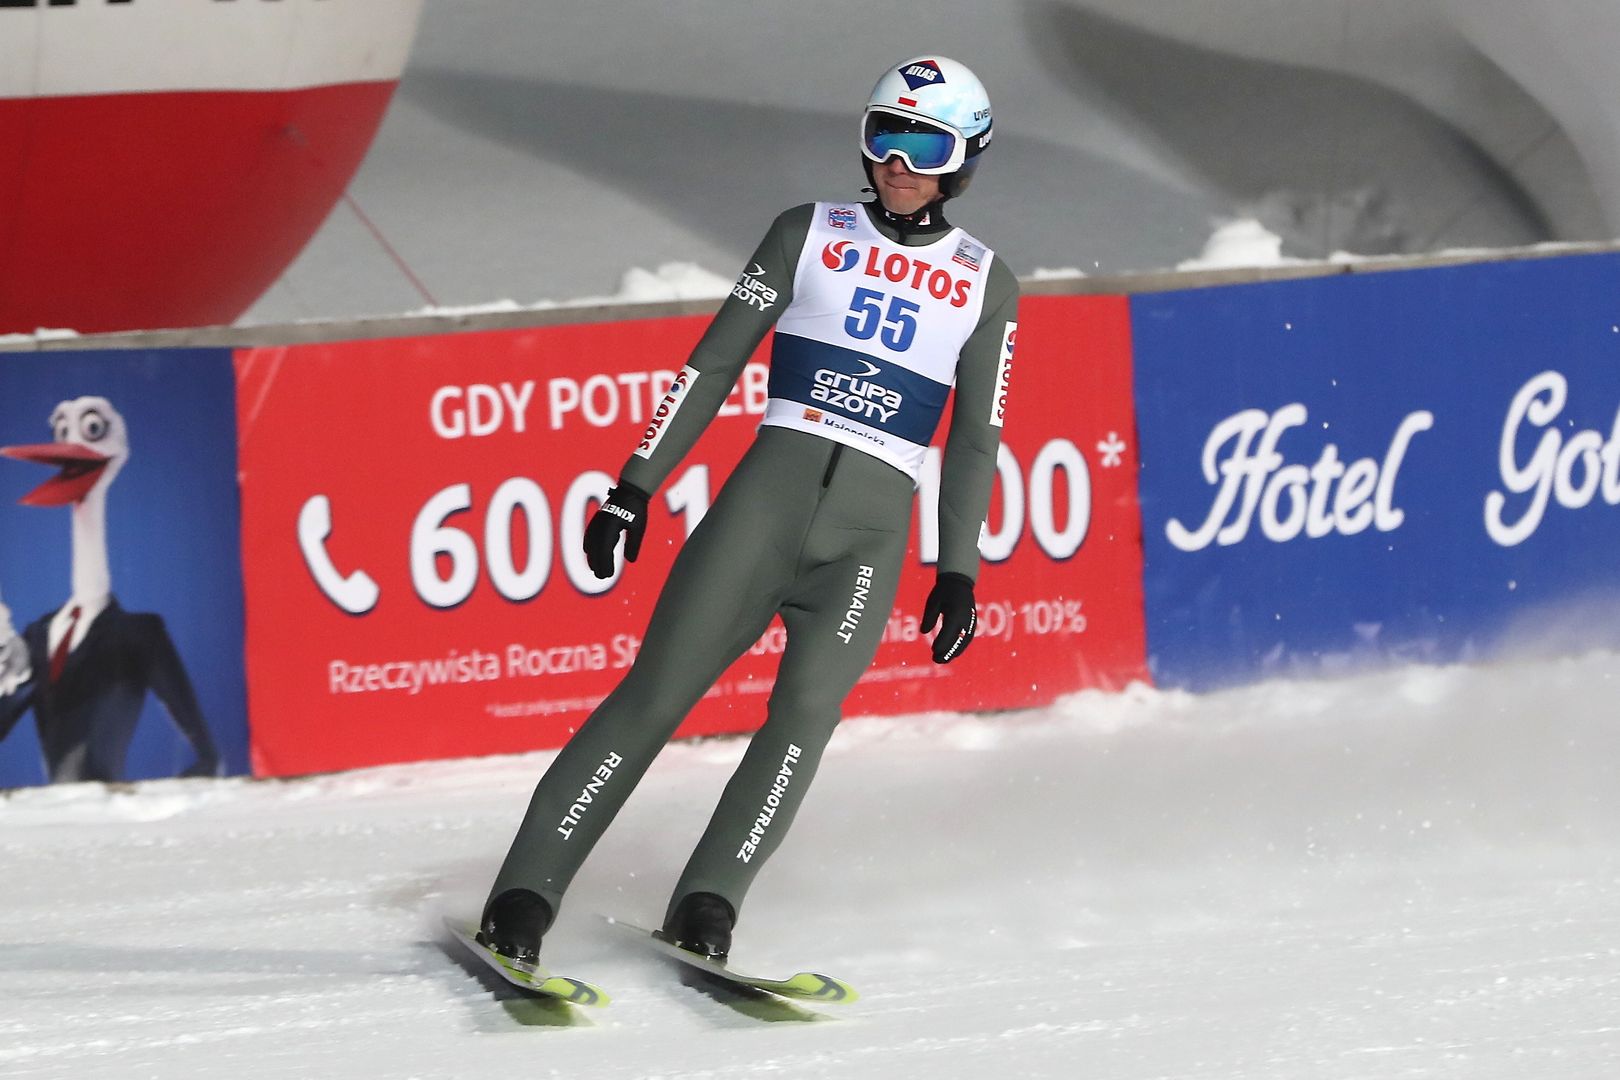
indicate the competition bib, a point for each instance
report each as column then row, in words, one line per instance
column 866, row 352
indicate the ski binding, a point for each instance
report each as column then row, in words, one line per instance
column 530, row 978
column 806, row 985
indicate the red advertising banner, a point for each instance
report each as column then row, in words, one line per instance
column 413, row 512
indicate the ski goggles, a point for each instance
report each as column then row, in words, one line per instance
column 928, row 147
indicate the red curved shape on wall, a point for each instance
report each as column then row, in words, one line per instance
column 167, row 209
column 161, row 162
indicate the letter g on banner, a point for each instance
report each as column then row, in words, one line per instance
column 1539, row 401
column 1571, row 466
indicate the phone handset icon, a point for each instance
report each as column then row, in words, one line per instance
column 354, row 593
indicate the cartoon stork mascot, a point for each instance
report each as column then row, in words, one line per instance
column 86, row 669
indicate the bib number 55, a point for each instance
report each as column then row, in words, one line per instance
column 868, row 318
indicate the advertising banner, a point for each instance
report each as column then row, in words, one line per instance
column 413, row 512
column 120, row 572
column 1418, row 465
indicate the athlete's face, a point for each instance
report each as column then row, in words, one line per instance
column 901, row 190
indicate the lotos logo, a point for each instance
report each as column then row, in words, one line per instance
column 904, row 270
column 666, row 412
column 921, row 74
column 998, row 407
column 840, row 255
column 1329, row 496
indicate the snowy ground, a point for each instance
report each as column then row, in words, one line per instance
column 1411, row 874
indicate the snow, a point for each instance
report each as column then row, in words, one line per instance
column 670, row 281
column 1404, row 874
column 1239, row 242
column 42, row 334
column 1055, row 273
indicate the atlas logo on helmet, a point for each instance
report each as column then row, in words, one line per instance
column 921, row 74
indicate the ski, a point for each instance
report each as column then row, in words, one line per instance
column 806, row 985
column 530, row 978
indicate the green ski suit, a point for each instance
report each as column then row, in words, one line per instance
column 807, row 528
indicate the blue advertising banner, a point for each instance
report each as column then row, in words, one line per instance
column 1417, row 465
column 120, row 570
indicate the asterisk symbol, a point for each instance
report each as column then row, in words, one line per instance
column 1112, row 448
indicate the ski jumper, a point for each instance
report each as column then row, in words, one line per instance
column 871, row 334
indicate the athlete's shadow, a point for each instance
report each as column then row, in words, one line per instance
column 745, row 1000
column 526, row 1010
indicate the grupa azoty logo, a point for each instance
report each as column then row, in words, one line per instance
column 857, row 394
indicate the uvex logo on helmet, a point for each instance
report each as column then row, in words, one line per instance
column 840, row 255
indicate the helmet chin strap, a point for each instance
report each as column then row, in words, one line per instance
column 930, row 217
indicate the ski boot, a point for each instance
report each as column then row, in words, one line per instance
column 514, row 923
column 701, row 923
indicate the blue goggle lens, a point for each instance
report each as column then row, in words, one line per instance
column 925, row 146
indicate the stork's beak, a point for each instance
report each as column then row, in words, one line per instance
column 80, row 469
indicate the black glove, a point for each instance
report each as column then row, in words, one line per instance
column 952, row 597
column 625, row 511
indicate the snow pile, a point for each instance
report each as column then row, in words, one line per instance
column 1055, row 273
column 1242, row 242
column 671, row 281
column 42, row 334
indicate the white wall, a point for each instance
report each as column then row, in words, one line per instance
column 539, row 150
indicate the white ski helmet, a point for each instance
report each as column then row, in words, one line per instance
column 934, row 114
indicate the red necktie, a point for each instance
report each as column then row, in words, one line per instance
column 59, row 657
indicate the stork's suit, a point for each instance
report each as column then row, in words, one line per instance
column 86, row 717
